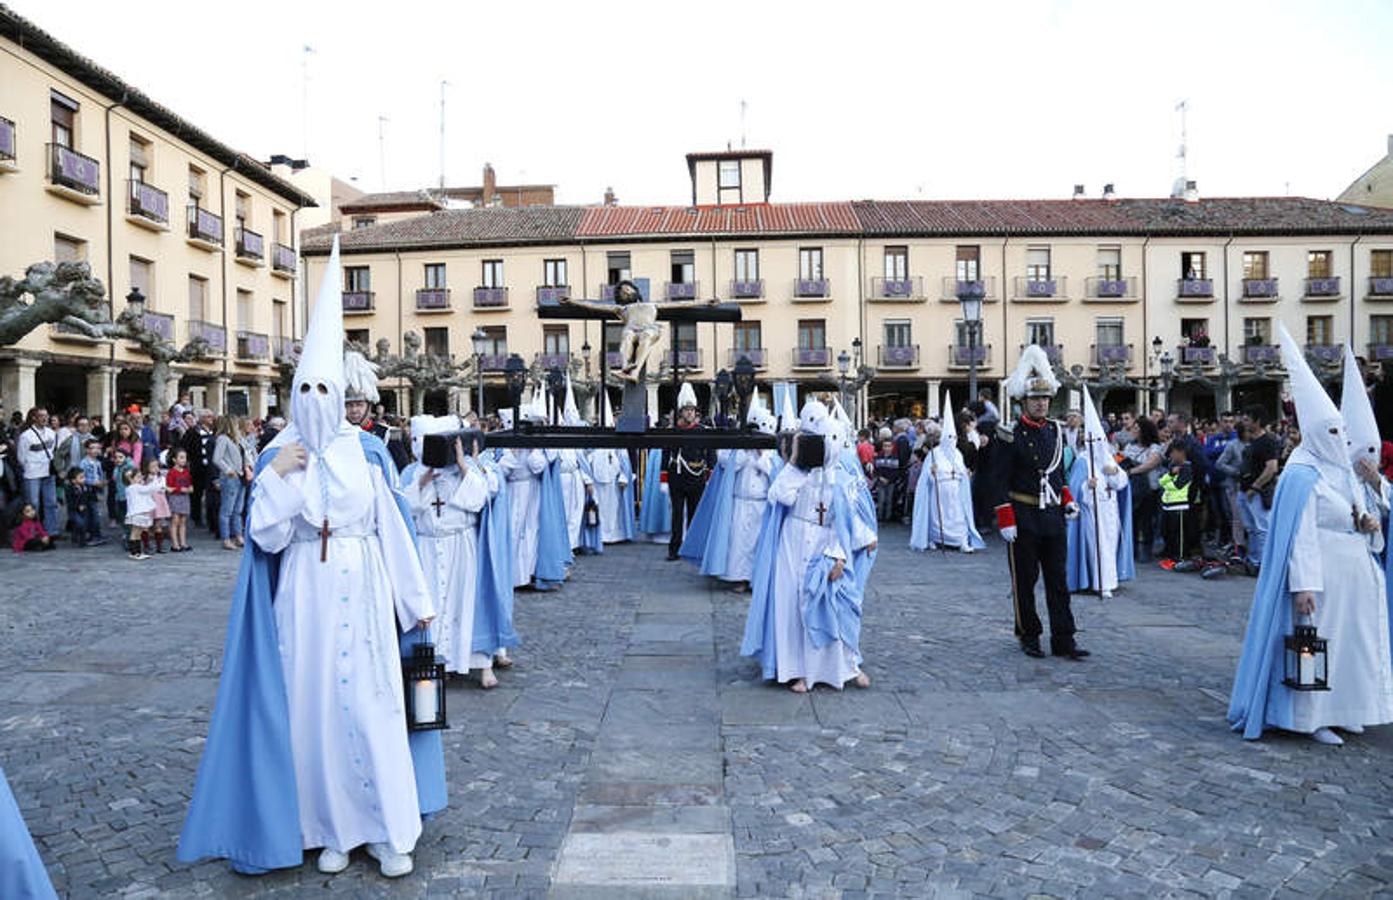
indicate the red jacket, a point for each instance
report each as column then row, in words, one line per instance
column 25, row 532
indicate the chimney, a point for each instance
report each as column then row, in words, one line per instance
column 1078, row 192
column 1192, row 192
column 490, row 186
column 1108, row 192
column 610, row 199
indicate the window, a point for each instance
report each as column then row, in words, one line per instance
column 1110, row 263
column 685, row 334
column 618, row 267
column 1320, row 264
column 1320, row 330
column 495, row 340
column 437, row 341
column 1381, row 263
column 1108, row 332
column 357, row 278
column 897, row 333
column 810, row 263
column 68, row 249
column 1192, row 266
column 277, row 319
column 896, row 263
column 747, row 337
column 1254, row 265
column 1381, row 330
column 364, row 221
column 728, row 173
column 554, row 273
column 1037, row 264
column 435, row 276
column 812, row 334
column 197, row 180
column 969, row 263
column 198, row 298
column 142, row 278
column 556, row 339
column 278, row 226
column 244, row 310
column 960, row 333
column 683, row 267
column 1039, row 331
column 64, row 118
column 1257, row 331
column 747, row 265
column 242, row 205
column 140, row 158
column 492, row 274
column 1193, row 328
column 613, row 334
column 359, row 336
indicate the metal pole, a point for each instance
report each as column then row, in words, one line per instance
column 479, row 371
column 971, row 361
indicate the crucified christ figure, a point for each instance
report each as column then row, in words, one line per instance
column 641, row 329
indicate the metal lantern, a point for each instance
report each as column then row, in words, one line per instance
column 515, row 377
column 744, row 381
column 556, row 386
column 135, row 302
column 592, row 513
column 1306, row 660
column 423, row 677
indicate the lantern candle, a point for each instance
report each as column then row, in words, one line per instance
column 424, row 705
column 1307, row 668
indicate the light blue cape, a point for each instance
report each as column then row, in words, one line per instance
column 22, row 873
column 590, row 539
column 924, row 530
column 655, row 514
column 244, row 807
column 553, row 543
column 1082, row 535
column 707, row 541
column 1259, row 699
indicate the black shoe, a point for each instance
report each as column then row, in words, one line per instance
column 672, row 557
column 1071, row 652
column 1031, row 648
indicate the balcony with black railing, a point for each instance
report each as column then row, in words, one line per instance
column 1194, row 290
column 1110, row 355
column 1379, row 352
column 8, row 145
column 553, row 293
column 560, row 361
column 1329, row 354
column 1262, row 354
column 282, row 348
column 253, row 346
column 687, row 360
column 205, row 228
column 356, row 302
column 1264, row 289
column 955, row 289
column 909, row 289
column 215, row 336
column 747, row 290
column 758, row 357
column 682, row 290
column 283, row 260
column 251, row 247
column 1381, row 286
column 147, row 205
column 899, row 356
column 493, row 362
column 1110, row 290
column 812, row 357
column 1029, row 288
column 1323, row 288
column 432, row 299
column 490, row 298
column 1196, row 356
column 158, row 323
column 74, row 175
column 812, row 289
column 961, row 356
column 614, row 359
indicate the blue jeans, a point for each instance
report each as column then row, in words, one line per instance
column 1255, row 520
column 229, row 502
column 43, row 496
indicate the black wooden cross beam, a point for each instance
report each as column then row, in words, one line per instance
column 560, row 437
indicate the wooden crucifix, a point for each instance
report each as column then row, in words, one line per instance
column 641, row 335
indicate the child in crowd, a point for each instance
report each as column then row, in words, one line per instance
column 1175, row 506
column 121, row 469
column 150, row 468
column 178, row 485
column 140, row 511
column 93, row 467
column 84, row 518
column 29, row 535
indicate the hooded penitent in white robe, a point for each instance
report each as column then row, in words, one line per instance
column 752, row 470
column 523, row 468
column 574, row 481
column 607, row 470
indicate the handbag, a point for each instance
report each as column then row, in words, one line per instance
column 53, row 464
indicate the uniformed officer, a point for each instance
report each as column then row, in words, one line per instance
column 685, row 472
column 1032, row 521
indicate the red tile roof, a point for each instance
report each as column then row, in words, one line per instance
column 497, row 226
column 394, row 201
column 764, row 219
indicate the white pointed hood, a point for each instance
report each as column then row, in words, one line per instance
column 844, row 431
column 760, row 417
column 948, row 437
column 788, row 418
column 1094, row 433
column 570, row 413
column 1358, row 413
column 946, row 454
column 1323, row 443
column 686, row 396
column 609, row 410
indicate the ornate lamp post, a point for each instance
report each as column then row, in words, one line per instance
column 744, row 383
column 970, row 301
column 480, row 341
column 135, row 302
column 585, row 355
column 515, row 374
column 843, row 366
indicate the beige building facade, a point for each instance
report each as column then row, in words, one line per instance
column 93, row 170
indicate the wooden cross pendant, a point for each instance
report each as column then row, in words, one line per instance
column 324, row 533
column 820, row 510
column 437, row 504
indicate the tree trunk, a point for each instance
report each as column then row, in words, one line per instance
column 159, row 388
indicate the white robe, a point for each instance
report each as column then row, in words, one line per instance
column 752, row 468
column 799, row 541
column 945, row 466
column 336, row 624
column 523, row 469
column 1109, row 528
column 447, row 527
column 573, row 483
column 1336, row 562
column 610, row 481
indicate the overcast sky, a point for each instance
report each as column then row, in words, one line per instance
column 856, row 99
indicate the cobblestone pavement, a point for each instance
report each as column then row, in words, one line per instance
column 631, row 752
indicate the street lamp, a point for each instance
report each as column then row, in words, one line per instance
column 1167, row 373
column 480, row 341
column 970, row 301
column 585, row 355
column 135, row 301
column 843, row 366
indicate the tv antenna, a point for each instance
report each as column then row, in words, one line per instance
column 382, row 152
column 443, row 85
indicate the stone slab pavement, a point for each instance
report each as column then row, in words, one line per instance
column 632, row 752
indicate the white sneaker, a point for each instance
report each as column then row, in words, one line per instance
column 394, row 864
column 332, row 862
column 1352, row 729
column 1107, row 595
column 967, row 548
column 1326, row 736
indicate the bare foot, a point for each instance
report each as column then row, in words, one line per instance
column 502, row 662
column 799, row 687
column 862, row 680
column 488, row 680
